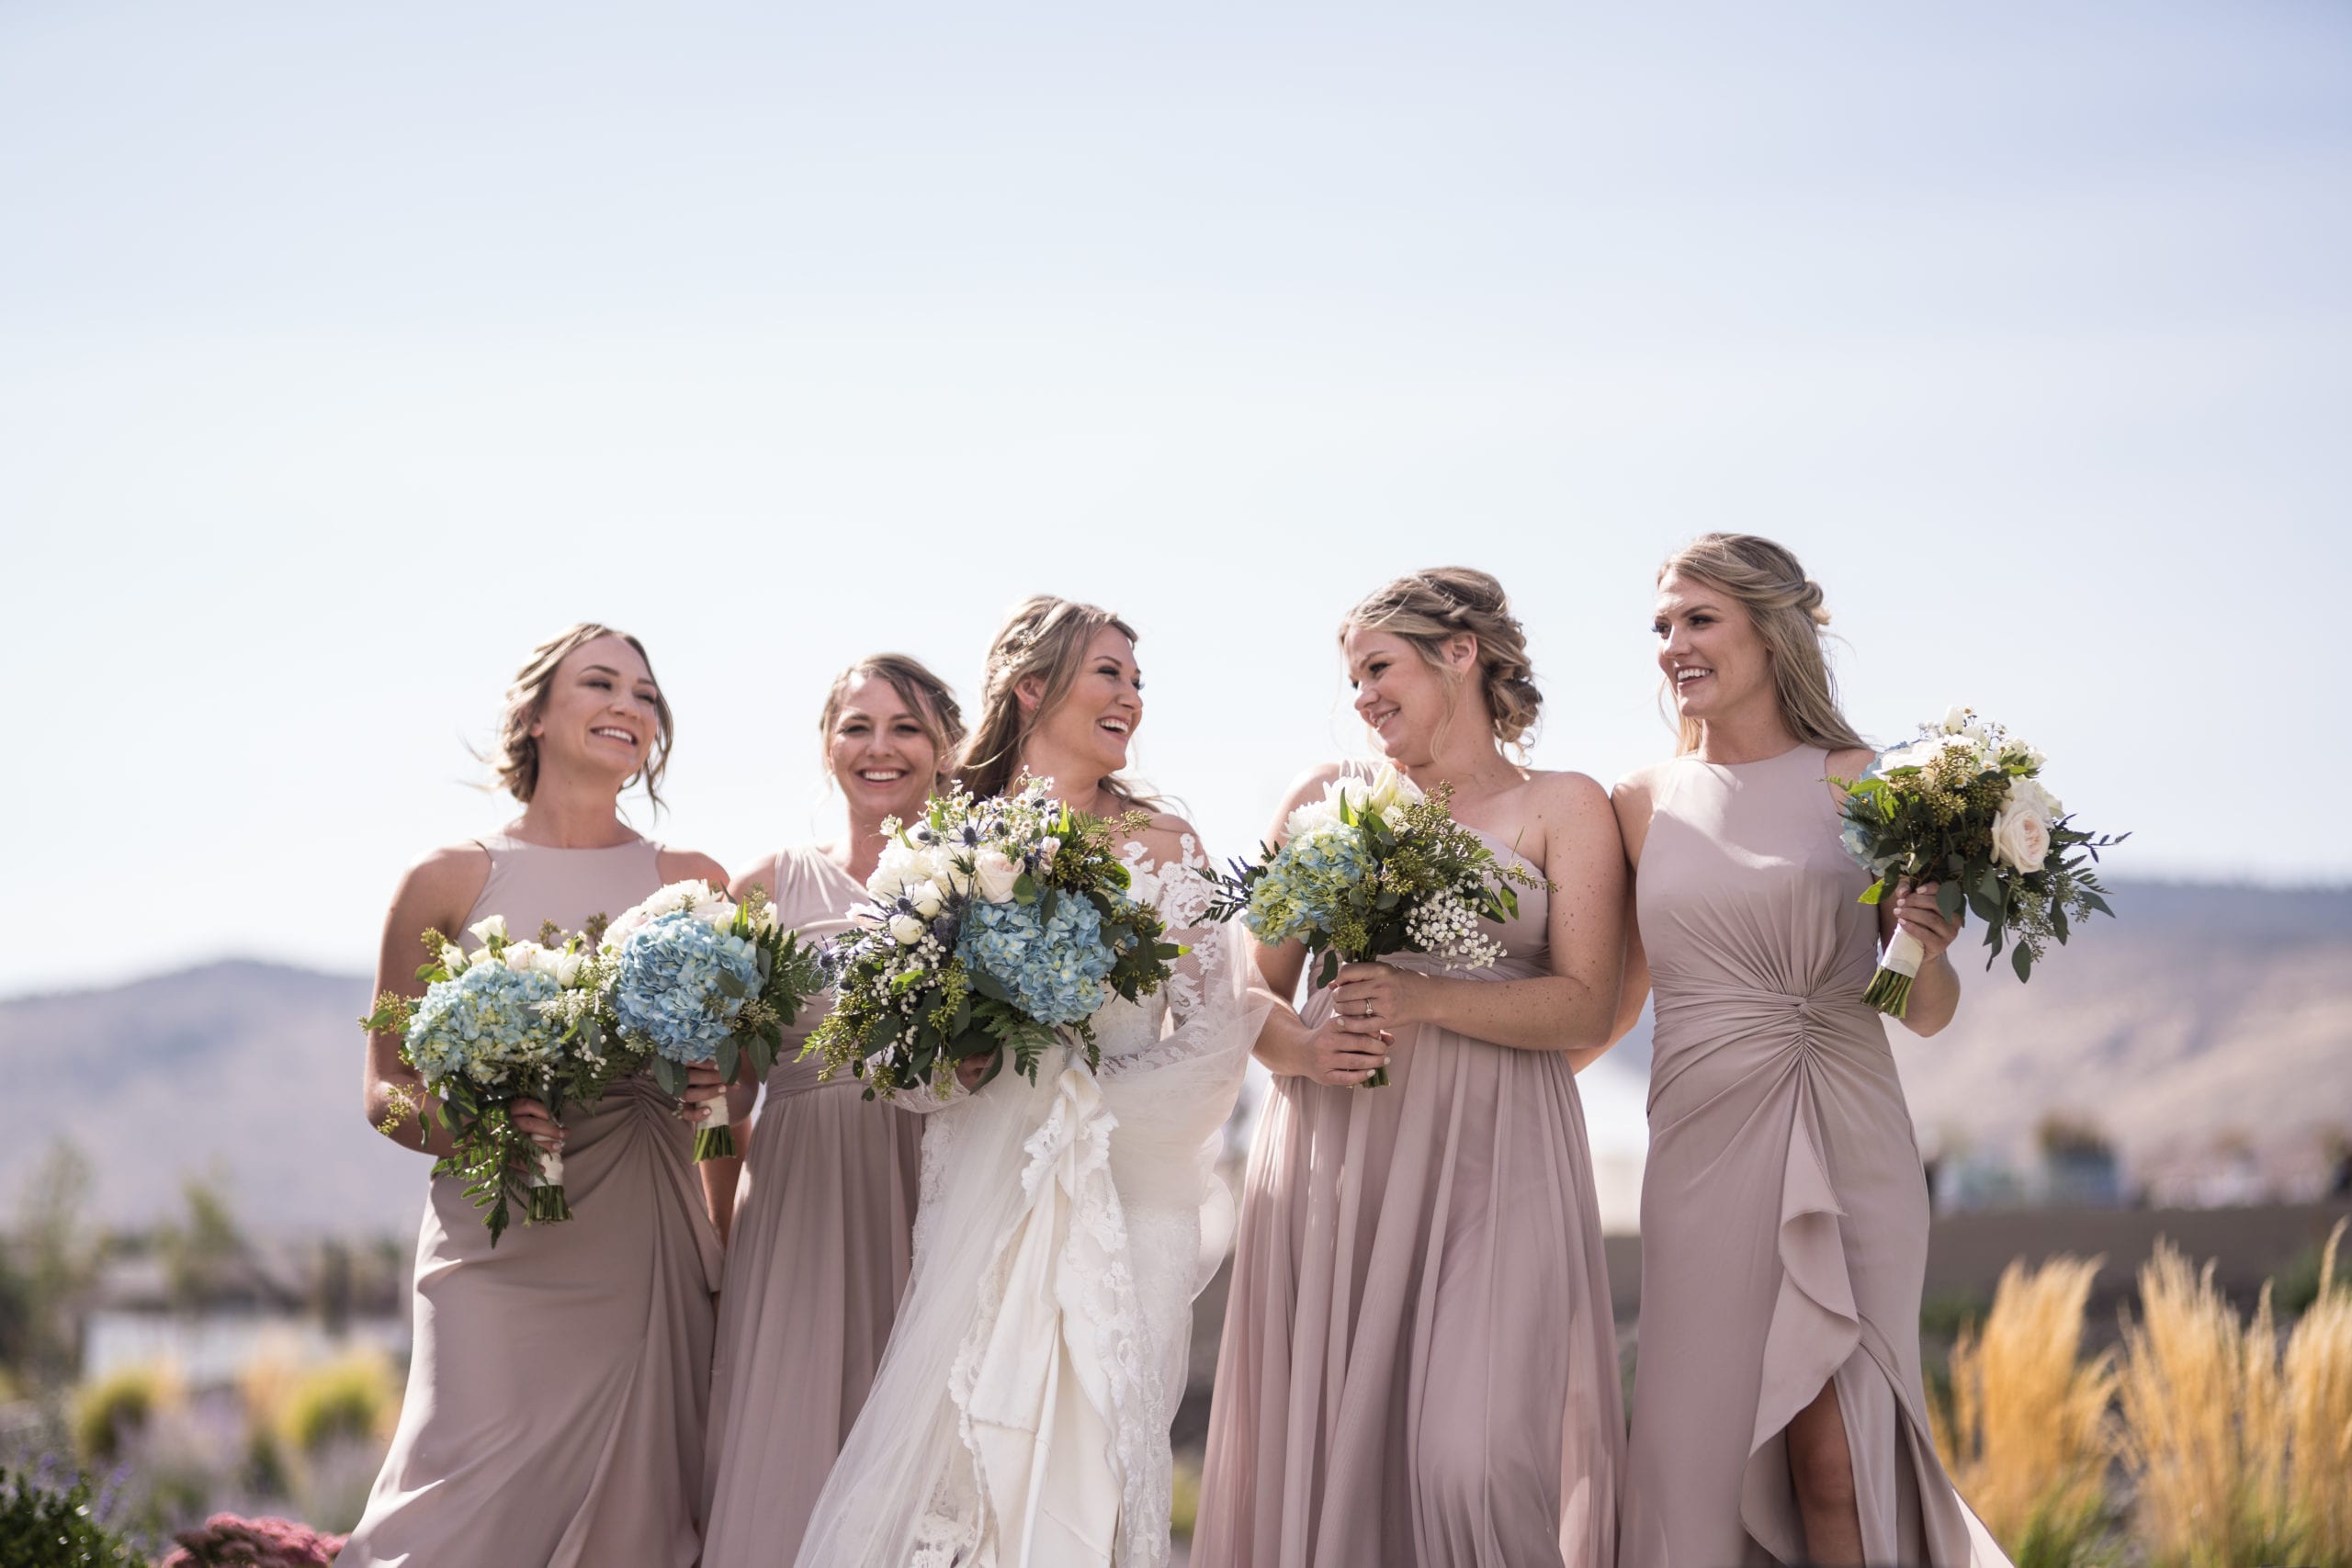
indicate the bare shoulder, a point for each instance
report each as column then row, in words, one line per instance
column 1567, row 797
column 1637, row 792
column 451, row 876
column 1312, row 784
column 1635, row 798
column 765, row 873
column 1846, row 766
column 683, row 865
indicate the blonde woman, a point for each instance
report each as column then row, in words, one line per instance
column 558, row 1386
column 1020, row 1417
column 823, row 1234
column 1777, row 1410
column 1419, row 1365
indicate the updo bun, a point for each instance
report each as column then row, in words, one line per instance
column 1425, row 608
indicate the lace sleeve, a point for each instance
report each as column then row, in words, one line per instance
column 1206, row 989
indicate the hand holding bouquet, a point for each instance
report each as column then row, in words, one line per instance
column 510, row 1021
column 1963, row 807
column 994, row 923
column 1374, row 869
column 694, row 978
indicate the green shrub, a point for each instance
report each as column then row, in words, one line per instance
column 117, row 1406
column 46, row 1526
column 351, row 1400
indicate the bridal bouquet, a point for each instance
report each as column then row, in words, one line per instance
column 994, row 923
column 509, row 1020
column 693, row 977
column 1963, row 806
column 1374, row 869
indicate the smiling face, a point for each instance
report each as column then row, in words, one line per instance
column 1097, row 717
column 601, row 716
column 1403, row 698
column 1714, row 660
column 880, row 752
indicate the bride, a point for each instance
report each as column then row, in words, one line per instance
column 1020, row 1417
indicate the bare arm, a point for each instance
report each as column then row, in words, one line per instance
column 1634, row 800
column 1572, row 1009
column 434, row 893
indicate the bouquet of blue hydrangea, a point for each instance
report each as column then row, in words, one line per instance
column 995, row 927
column 1373, row 869
column 696, row 979
column 1964, row 807
column 510, row 1021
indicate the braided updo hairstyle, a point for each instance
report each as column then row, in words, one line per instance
column 1785, row 605
column 1043, row 638
column 1425, row 608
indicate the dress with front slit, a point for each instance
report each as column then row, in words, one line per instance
column 1784, row 1207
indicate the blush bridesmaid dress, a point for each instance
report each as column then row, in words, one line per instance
column 1784, row 1209
column 820, row 1253
column 558, row 1387
column 1419, row 1365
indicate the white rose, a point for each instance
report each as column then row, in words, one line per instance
column 994, row 873
column 715, row 912
column 1048, row 849
column 2036, row 796
column 453, row 957
column 567, row 966
column 493, row 929
column 2021, row 834
column 926, row 898
column 522, row 956
column 764, row 921
column 906, row 931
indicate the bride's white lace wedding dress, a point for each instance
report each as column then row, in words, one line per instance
column 1020, row 1415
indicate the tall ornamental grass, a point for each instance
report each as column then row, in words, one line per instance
column 2029, row 1434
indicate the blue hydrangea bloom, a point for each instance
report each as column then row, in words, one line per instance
column 1052, row 969
column 1309, row 884
column 482, row 1025
column 667, row 988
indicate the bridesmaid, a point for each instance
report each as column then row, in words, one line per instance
column 1784, row 1212
column 821, row 1249
column 1419, row 1365
column 556, row 1391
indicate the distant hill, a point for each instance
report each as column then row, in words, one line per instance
column 2203, row 1011
column 248, row 1068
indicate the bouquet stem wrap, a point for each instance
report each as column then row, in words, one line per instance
column 715, row 1139
column 547, row 1189
column 1890, row 988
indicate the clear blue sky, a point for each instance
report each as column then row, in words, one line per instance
column 347, row 351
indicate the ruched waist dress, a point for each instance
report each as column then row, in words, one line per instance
column 1784, row 1209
